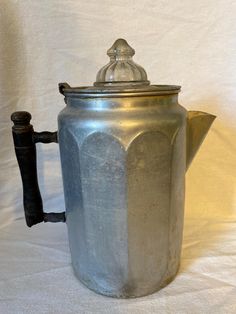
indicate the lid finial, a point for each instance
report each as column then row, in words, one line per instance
column 121, row 70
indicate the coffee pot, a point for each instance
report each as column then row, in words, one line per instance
column 125, row 146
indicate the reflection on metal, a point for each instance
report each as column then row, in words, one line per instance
column 148, row 210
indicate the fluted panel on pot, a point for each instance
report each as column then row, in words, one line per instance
column 103, row 178
column 148, row 190
column 176, row 217
column 75, row 212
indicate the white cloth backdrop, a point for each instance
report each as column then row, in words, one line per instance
column 185, row 42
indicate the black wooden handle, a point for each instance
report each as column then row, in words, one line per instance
column 24, row 140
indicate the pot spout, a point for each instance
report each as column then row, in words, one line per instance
column 198, row 124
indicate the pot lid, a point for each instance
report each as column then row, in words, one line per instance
column 120, row 77
column 121, row 70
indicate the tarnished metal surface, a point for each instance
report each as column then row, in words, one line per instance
column 123, row 173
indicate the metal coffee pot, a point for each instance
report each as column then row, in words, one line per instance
column 125, row 146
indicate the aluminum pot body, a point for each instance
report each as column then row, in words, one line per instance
column 123, row 164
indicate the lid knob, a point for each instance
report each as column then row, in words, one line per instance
column 121, row 70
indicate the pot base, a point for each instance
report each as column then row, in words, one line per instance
column 126, row 292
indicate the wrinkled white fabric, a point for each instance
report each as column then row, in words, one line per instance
column 183, row 42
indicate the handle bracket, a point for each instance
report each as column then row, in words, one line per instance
column 45, row 137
